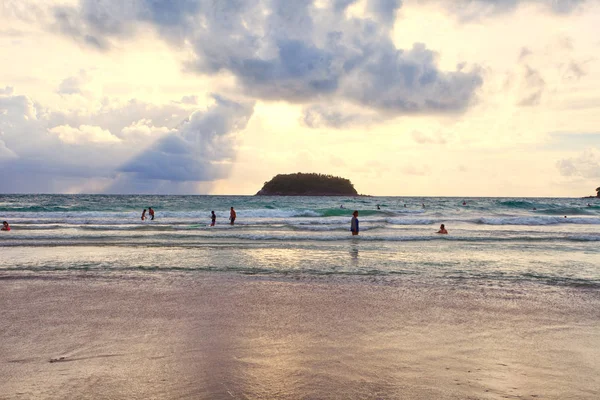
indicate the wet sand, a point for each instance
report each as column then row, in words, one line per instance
column 220, row 336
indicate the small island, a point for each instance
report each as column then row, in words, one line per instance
column 597, row 196
column 307, row 185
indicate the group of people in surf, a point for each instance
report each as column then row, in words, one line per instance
column 213, row 217
column 150, row 213
column 232, row 217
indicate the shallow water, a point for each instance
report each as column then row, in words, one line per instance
column 492, row 241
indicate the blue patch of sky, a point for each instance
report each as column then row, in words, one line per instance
column 572, row 141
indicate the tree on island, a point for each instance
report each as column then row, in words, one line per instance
column 598, row 192
column 300, row 184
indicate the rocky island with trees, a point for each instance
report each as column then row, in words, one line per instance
column 300, row 184
column 597, row 196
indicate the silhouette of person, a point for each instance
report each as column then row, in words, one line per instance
column 5, row 226
column 354, row 223
column 232, row 215
column 151, row 212
column 443, row 230
column 213, row 218
column 144, row 215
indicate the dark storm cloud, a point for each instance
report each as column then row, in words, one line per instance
column 321, row 116
column 33, row 154
column 202, row 149
column 295, row 51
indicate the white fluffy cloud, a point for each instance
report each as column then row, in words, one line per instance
column 84, row 134
column 585, row 165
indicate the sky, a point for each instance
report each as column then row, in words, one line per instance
column 402, row 97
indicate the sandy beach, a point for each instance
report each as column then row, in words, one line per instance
column 220, row 336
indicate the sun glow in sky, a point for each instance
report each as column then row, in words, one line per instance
column 413, row 97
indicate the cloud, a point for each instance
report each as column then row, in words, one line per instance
column 423, row 138
column 142, row 131
column 468, row 10
column 201, row 150
column 574, row 71
column 319, row 115
column 533, row 87
column 417, row 170
column 295, row 51
column 73, row 84
column 525, row 52
column 585, row 165
column 6, row 153
column 8, row 90
column 83, row 134
column 45, row 151
column 189, row 99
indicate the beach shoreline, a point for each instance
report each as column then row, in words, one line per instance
column 223, row 335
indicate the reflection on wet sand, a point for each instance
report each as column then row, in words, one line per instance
column 220, row 336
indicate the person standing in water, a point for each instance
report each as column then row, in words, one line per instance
column 5, row 226
column 232, row 215
column 443, row 230
column 213, row 218
column 151, row 212
column 144, row 215
column 354, row 223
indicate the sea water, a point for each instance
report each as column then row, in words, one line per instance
column 546, row 242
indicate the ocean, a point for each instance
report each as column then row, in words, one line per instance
column 545, row 242
column 287, row 304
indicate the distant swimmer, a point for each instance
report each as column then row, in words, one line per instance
column 144, row 215
column 534, row 208
column 213, row 218
column 151, row 212
column 423, row 205
column 464, row 203
column 341, row 206
column 442, row 230
column 5, row 226
column 232, row 215
column 405, row 206
column 589, row 205
column 378, row 207
column 354, row 223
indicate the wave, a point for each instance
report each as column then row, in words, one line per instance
column 542, row 220
column 173, row 239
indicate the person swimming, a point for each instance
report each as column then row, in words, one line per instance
column 443, row 230
column 213, row 218
column 354, row 223
column 378, row 207
column 144, row 215
column 464, row 203
column 5, row 226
